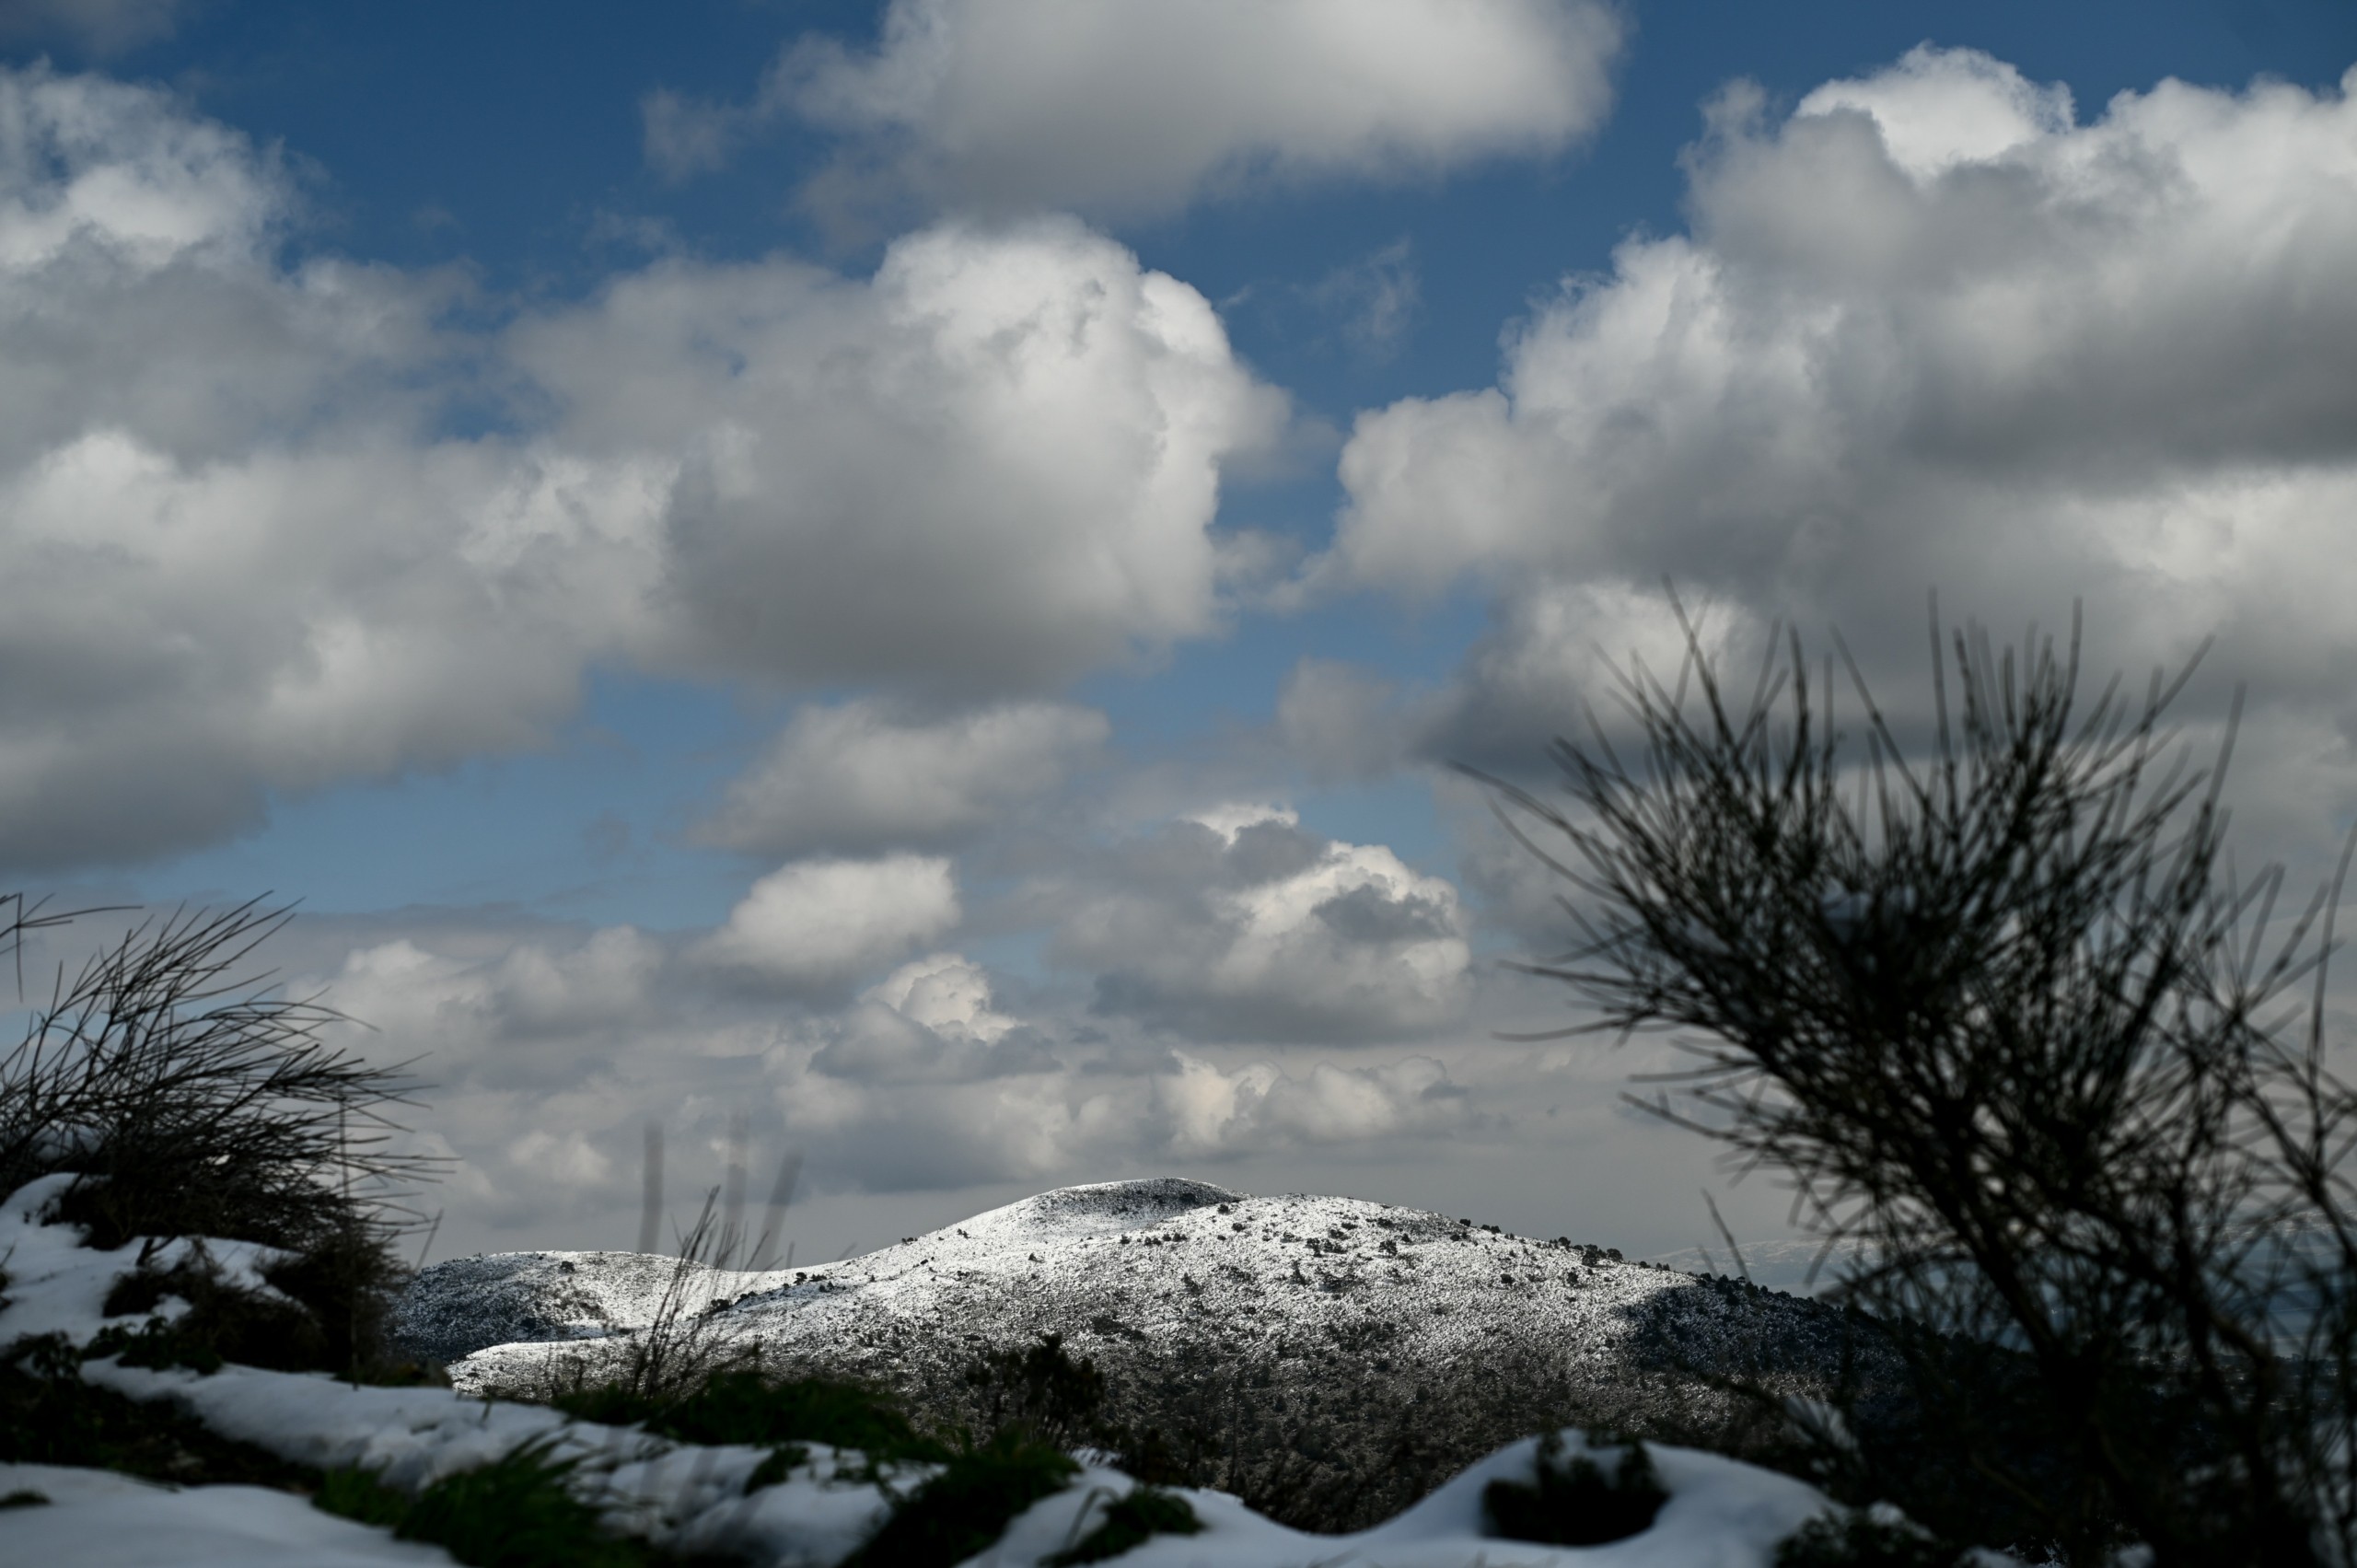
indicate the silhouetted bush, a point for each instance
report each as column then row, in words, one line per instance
column 2006, row 1024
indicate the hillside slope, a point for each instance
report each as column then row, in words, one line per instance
column 1331, row 1360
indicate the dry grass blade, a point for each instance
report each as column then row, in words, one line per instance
column 193, row 1099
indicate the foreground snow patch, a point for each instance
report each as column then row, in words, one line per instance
column 99, row 1519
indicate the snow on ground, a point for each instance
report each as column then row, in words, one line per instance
column 99, row 1519
column 1721, row 1513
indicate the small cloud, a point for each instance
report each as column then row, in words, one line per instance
column 1374, row 300
column 859, row 778
column 1231, row 818
column 685, row 136
column 101, row 27
column 606, row 839
column 931, row 1021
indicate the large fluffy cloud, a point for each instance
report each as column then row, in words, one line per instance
column 1014, row 105
column 1072, row 410
column 1929, row 329
column 855, row 777
column 231, row 556
column 241, row 552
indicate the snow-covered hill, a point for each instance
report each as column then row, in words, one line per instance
column 1337, row 1357
column 1140, row 1242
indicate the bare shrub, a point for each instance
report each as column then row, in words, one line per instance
column 2006, row 1021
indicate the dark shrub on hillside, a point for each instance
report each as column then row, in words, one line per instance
column 1994, row 1008
column 1043, row 1386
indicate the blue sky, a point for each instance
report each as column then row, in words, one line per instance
column 909, row 572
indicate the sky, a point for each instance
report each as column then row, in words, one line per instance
column 901, row 582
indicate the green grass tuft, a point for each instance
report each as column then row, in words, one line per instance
column 158, row 1345
column 48, row 1416
column 740, row 1406
column 1576, row 1502
column 969, row 1504
column 516, row 1512
column 358, row 1495
column 1860, row 1538
column 1129, row 1521
column 749, row 1408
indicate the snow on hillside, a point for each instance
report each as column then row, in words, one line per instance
column 1141, row 1243
column 1320, row 1338
column 1130, row 1262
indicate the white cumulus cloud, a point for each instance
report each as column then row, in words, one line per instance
column 815, row 923
column 930, row 1021
column 241, row 552
column 1073, row 411
column 1930, row 331
column 1216, row 1112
